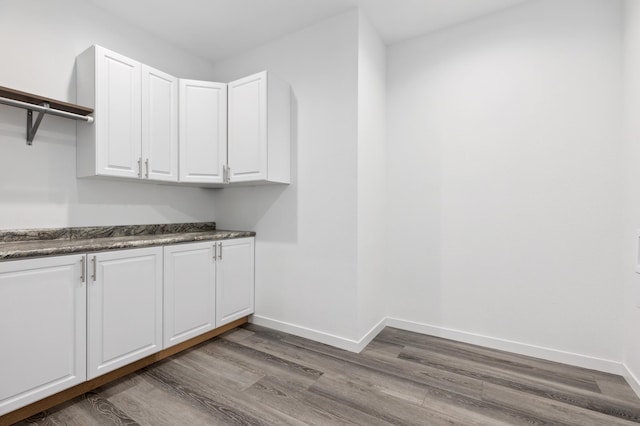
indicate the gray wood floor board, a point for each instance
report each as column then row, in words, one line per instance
column 257, row 376
column 260, row 362
column 386, row 409
column 505, row 361
column 410, row 384
column 557, row 412
column 536, row 386
column 407, row 338
column 153, row 405
column 278, row 394
column 617, row 387
column 226, row 374
column 421, row 375
column 214, row 395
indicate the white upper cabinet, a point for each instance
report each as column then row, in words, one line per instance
column 152, row 126
column 259, row 130
column 159, row 125
column 203, row 131
column 135, row 133
column 111, row 84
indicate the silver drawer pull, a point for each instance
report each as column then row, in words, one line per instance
column 95, row 268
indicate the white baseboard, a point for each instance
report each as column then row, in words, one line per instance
column 555, row 355
column 352, row 345
column 632, row 379
column 320, row 336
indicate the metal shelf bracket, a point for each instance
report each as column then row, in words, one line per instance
column 43, row 107
column 32, row 129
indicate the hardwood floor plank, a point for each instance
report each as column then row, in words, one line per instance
column 227, row 374
column 617, row 387
column 430, row 377
column 386, row 382
column 257, row 376
column 278, row 394
column 386, row 409
column 555, row 411
column 153, row 405
column 536, row 386
column 89, row 409
column 504, row 361
column 213, row 395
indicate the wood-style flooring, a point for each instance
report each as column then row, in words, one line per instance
column 256, row 376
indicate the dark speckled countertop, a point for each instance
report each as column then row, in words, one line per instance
column 25, row 243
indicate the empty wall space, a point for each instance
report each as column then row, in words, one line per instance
column 505, row 187
column 631, row 294
column 372, row 178
column 38, row 184
column 306, row 245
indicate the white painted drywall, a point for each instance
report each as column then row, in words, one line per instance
column 631, row 255
column 372, row 178
column 39, row 41
column 505, row 185
column 306, row 232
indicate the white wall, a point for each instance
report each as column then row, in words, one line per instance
column 631, row 293
column 505, row 181
column 39, row 41
column 306, row 232
column 372, row 178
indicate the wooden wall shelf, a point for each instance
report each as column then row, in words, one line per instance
column 29, row 98
column 43, row 106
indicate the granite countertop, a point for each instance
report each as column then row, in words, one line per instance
column 25, row 243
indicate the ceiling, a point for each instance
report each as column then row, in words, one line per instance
column 215, row 29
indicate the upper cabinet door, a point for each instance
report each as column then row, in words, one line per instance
column 203, row 131
column 248, row 128
column 118, row 103
column 159, row 125
column 259, row 129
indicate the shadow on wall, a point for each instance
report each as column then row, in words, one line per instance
column 129, row 202
column 269, row 210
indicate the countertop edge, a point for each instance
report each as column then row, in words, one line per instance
column 34, row 249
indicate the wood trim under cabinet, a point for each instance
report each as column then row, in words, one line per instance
column 60, row 397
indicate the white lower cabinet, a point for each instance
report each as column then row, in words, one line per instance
column 189, row 291
column 42, row 328
column 234, row 280
column 124, row 308
column 68, row 319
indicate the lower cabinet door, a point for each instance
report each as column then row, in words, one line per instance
column 235, row 280
column 189, row 291
column 124, row 308
column 42, row 328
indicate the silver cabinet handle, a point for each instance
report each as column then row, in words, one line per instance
column 215, row 251
column 228, row 174
column 220, row 252
column 146, row 163
column 83, row 270
column 224, row 173
column 95, row 268
column 140, row 167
